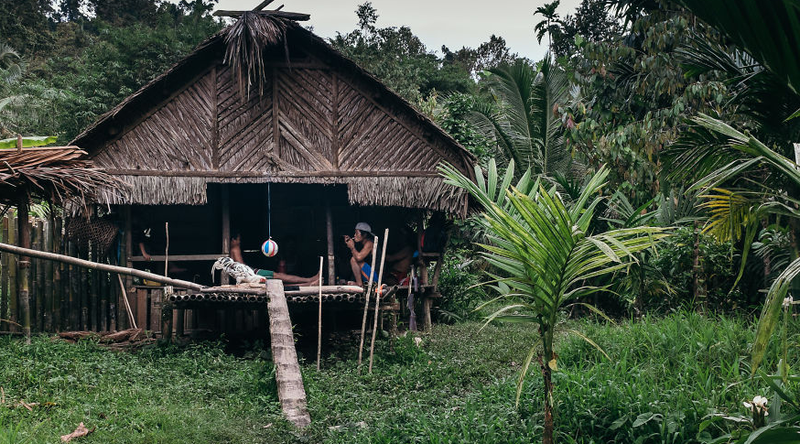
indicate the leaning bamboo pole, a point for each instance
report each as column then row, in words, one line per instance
column 378, row 298
column 319, row 319
column 366, row 304
column 27, row 252
column 291, row 393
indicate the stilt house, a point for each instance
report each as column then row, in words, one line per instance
column 301, row 156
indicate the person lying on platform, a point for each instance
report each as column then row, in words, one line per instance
column 359, row 262
column 236, row 255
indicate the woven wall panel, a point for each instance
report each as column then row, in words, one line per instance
column 174, row 137
column 305, row 113
column 245, row 127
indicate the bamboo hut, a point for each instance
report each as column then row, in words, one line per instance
column 60, row 175
column 267, row 130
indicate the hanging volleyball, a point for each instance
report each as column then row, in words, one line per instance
column 269, row 248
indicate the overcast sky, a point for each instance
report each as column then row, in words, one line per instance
column 452, row 23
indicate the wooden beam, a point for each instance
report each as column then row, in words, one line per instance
column 296, row 16
column 291, row 393
column 263, row 5
column 280, row 174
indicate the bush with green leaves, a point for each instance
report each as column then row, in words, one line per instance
column 718, row 268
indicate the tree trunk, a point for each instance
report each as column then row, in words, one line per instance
column 697, row 271
column 291, row 392
column 547, row 434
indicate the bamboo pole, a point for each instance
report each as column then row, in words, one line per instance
column 378, row 298
column 4, row 293
column 13, row 287
column 131, row 319
column 291, row 393
column 58, row 293
column 94, row 294
column 166, row 249
column 366, row 304
column 319, row 317
column 24, row 268
column 72, row 280
column 99, row 266
column 49, row 293
column 37, row 278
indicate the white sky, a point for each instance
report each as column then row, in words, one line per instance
column 437, row 22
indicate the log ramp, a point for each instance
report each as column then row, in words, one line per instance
column 291, row 392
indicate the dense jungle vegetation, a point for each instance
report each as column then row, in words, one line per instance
column 643, row 172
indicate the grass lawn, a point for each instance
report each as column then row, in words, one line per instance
column 664, row 378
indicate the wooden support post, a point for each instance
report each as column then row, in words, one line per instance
column 226, row 229
column 94, row 294
column 58, row 270
column 49, row 293
column 329, row 230
column 35, row 295
column 155, row 309
column 13, row 283
column 180, row 319
column 74, row 306
column 4, row 293
column 127, row 253
column 141, row 308
column 83, row 292
column 319, row 319
column 24, row 268
column 291, row 393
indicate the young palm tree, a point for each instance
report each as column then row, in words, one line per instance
column 545, row 254
column 522, row 120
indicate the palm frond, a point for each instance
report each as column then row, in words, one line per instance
column 246, row 41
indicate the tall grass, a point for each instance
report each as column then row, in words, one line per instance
column 664, row 377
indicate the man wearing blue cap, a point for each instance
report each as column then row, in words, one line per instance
column 359, row 261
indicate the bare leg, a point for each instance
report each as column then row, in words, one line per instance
column 356, row 267
column 292, row 279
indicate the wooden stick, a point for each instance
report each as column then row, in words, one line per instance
column 127, row 303
column 166, row 250
column 366, row 303
column 378, row 298
column 24, row 267
column 319, row 319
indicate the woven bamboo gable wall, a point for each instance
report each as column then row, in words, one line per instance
column 319, row 119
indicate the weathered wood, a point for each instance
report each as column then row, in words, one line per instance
column 104, row 291
column 127, row 303
column 127, row 252
column 178, row 257
column 142, row 305
column 156, row 295
column 180, row 322
column 94, row 293
column 291, row 393
column 83, row 293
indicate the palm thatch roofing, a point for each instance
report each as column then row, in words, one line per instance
column 314, row 116
column 57, row 174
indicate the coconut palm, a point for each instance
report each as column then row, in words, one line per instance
column 521, row 119
column 545, row 253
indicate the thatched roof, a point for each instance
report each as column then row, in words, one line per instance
column 54, row 173
column 319, row 118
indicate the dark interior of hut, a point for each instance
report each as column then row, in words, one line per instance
column 294, row 215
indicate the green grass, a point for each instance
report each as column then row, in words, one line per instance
column 666, row 375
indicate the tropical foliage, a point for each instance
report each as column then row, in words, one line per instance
column 545, row 253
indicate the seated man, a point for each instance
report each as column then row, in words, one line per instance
column 400, row 261
column 236, row 255
column 359, row 262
